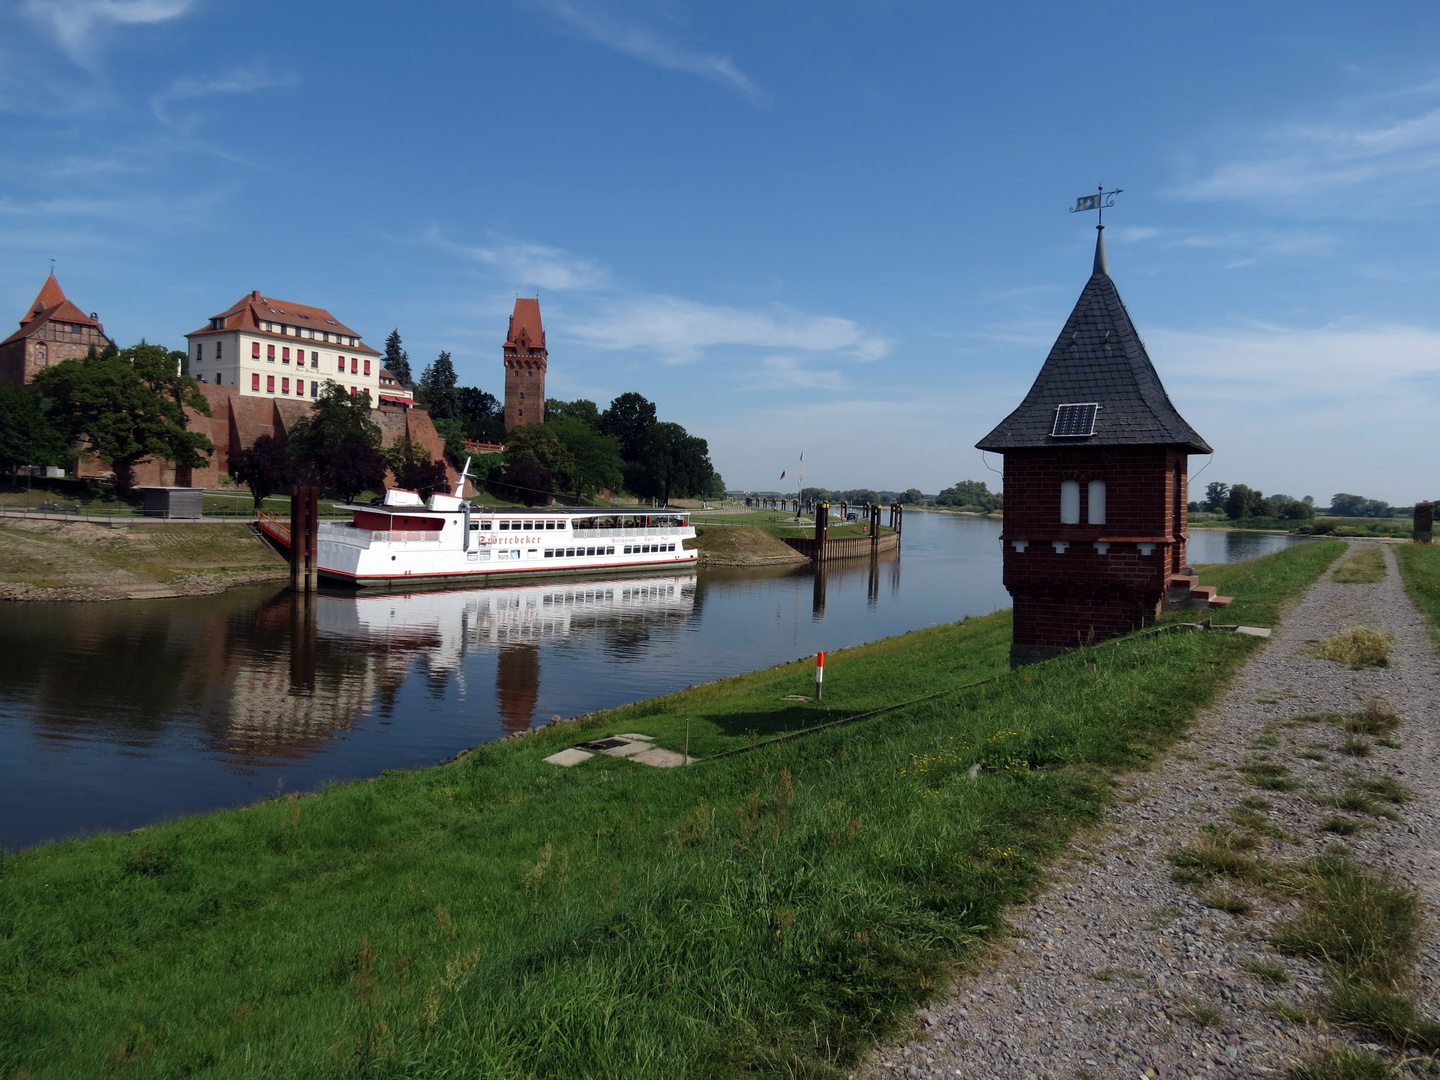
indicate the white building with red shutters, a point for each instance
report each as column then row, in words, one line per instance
column 280, row 349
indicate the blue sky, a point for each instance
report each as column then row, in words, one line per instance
column 835, row 226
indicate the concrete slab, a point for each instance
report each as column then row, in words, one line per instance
column 567, row 758
column 632, row 737
column 628, row 749
column 661, row 758
column 1253, row 631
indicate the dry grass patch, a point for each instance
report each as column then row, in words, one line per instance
column 1365, row 567
column 1358, row 647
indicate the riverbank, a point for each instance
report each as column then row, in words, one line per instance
column 773, row 911
column 48, row 560
column 1262, row 902
column 739, row 545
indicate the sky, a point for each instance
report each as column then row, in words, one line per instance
column 835, row 227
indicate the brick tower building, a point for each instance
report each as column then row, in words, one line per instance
column 525, row 364
column 54, row 329
column 1095, row 484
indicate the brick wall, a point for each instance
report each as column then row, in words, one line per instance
column 524, row 391
column 20, row 360
column 1064, row 598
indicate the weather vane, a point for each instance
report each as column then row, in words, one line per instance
column 1098, row 201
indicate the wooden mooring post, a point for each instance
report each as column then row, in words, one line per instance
column 874, row 509
column 304, row 543
column 1424, row 522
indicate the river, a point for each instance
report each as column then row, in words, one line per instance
column 121, row 714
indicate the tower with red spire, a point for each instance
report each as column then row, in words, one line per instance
column 525, row 365
column 52, row 330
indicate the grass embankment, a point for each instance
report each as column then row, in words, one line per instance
column 771, row 912
column 780, row 523
column 78, row 560
column 740, row 546
column 1420, row 567
column 1394, row 527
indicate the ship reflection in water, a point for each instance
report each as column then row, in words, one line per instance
column 350, row 655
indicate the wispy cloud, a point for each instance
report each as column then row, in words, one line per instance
column 528, row 264
column 1375, row 152
column 679, row 331
column 238, row 81
column 782, row 372
column 590, row 21
column 75, row 23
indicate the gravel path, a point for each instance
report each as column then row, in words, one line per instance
column 1118, row 971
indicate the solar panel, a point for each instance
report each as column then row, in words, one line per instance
column 1075, row 421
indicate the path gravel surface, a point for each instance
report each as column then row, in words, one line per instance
column 1116, row 970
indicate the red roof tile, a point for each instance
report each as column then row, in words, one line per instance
column 252, row 309
column 526, row 329
column 51, row 305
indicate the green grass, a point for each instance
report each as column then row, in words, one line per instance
column 1420, row 569
column 767, row 913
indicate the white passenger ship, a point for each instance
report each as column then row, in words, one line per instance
column 406, row 541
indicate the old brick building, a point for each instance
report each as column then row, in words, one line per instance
column 54, row 329
column 525, row 365
column 1095, row 484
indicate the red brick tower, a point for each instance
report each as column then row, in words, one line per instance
column 525, row 364
column 1095, row 483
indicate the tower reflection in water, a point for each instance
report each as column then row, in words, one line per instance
column 349, row 654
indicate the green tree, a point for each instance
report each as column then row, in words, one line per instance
column 912, row 497
column 582, row 409
column 1247, row 502
column 629, row 419
column 27, row 437
column 481, row 414
column 675, row 464
column 125, row 406
column 436, row 390
column 264, row 468
column 415, row 470
column 596, row 458
column 974, row 493
column 452, row 434
column 524, row 481
column 397, row 360
column 338, row 443
column 1215, row 495
column 814, row 494
column 539, row 444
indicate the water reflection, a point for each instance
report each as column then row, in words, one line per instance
column 116, row 715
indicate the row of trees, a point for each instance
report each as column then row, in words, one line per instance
column 1241, row 501
column 580, row 451
column 973, row 493
column 458, row 412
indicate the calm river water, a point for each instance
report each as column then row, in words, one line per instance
column 122, row 714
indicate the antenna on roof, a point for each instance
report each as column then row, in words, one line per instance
column 52, row 267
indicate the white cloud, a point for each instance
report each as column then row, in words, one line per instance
column 238, row 81
column 528, row 264
column 783, row 372
column 679, row 331
column 75, row 22
column 592, row 22
column 1365, row 156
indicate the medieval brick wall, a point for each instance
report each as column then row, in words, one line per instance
column 1077, row 583
column 21, row 360
column 524, row 391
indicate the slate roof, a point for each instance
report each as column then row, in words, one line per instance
column 1098, row 357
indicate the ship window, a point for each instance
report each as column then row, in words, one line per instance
column 504, row 526
column 569, row 553
column 527, row 525
column 1070, row 502
column 609, row 551
column 560, row 524
column 589, row 551
column 474, row 526
column 486, row 525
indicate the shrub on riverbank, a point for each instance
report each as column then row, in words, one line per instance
column 766, row 913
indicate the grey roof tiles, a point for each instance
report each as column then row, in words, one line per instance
column 1098, row 357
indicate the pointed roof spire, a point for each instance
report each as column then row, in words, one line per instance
column 1099, row 358
column 50, row 295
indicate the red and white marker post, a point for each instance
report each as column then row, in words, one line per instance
column 819, row 674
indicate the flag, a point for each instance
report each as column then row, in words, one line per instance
column 802, row 455
column 1087, row 202
column 782, row 476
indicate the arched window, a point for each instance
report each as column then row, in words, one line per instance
column 1070, row 502
column 1096, row 493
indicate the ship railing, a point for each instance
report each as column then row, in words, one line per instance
column 354, row 536
column 581, row 533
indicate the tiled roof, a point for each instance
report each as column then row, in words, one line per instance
column 51, row 305
column 252, row 309
column 1098, row 357
column 526, row 329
